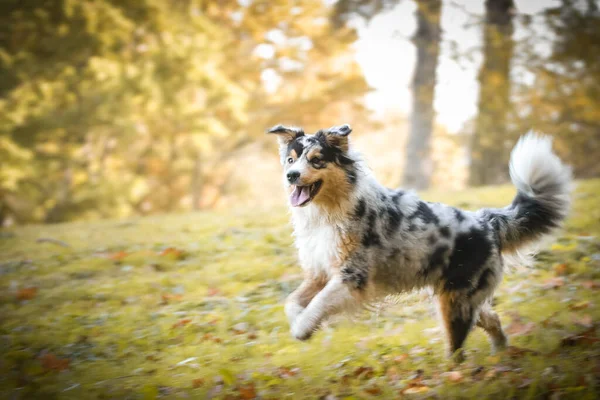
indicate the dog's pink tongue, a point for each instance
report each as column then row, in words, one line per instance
column 300, row 195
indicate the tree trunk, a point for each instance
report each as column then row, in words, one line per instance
column 418, row 168
column 491, row 140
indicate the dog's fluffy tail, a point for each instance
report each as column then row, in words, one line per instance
column 543, row 194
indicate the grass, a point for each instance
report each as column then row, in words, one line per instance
column 192, row 306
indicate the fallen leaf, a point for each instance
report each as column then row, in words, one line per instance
column 286, row 373
column 118, row 256
column 363, row 372
column 373, row 390
column 554, row 283
column 415, row 389
column 591, row 284
column 517, row 328
column 518, row 352
column 392, row 374
column 52, row 363
column 168, row 297
column 173, row 253
column 585, row 321
column 212, row 292
column 453, row 376
column 400, row 358
column 182, row 322
column 585, row 337
column 579, row 306
column 196, row 383
column 27, row 293
column 561, row 269
column 247, row 392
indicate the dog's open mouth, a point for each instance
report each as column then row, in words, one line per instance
column 302, row 195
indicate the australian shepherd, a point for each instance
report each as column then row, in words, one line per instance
column 359, row 241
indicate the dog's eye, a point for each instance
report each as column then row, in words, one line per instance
column 315, row 160
column 290, row 160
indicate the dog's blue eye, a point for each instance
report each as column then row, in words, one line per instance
column 290, row 160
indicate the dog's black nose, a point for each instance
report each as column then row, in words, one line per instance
column 292, row 176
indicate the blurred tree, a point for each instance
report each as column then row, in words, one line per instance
column 110, row 107
column 418, row 166
column 563, row 98
column 492, row 138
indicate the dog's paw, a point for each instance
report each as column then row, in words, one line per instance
column 301, row 333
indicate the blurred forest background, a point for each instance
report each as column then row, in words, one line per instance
column 110, row 108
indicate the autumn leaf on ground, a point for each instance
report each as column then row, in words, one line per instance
column 168, row 297
column 118, row 256
column 415, row 389
column 27, row 293
column 586, row 321
column 196, row 383
column 586, row 337
column 579, row 306
column 173, row 253
column 182, row 322
column 591, row 284
column 285, row 373
column 518, row 352
column 554, row 283
column 247, row 392
column 363, row 372
column 453, row 376
column 518, row 328
column 561, row 269
column 373, row 390
column 212, row 292
column 52, row 363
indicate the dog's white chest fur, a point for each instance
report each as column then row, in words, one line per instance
column 318, row 247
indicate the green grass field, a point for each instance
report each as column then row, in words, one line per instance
column 191, row 306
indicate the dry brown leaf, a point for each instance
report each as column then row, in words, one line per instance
column 415, row 389
column 554, row 283
column 118, row 256
column 168, row 297
column 196, row 383
column 453, row 376
column 591, row 284
column 212, row 292
column 373, row 390
column 174, row 253
column 400, row 358
column 363, row 372
column 579, row 306
column 181, row 322
column 518, row 352
column 561, row 269
column 586, row 321
column 247, row 392
column 27, row 293
column 517, row 328
column 52, row 363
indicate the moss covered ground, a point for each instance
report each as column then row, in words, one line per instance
column 191, row 306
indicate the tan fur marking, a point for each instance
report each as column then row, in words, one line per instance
column 293, row 154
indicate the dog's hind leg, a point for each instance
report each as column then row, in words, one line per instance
column 335, row 297
column 297, row 301
column 490, row 322
column 458, row 315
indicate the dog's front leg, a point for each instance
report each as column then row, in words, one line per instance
column 335, row 297
column 299, row 298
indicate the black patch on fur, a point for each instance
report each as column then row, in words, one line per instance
column 371, row 238
column 412, row 227
column 394, row 218
column 432, row 239
column 459, row 330
column 360, row 209
column 382, row 196
column 332, row 153
column 357, row 277
column 483, row 282
column 397, row 195
column 424, row 212
column 471, row 251
column 351, row 175
column 445, row 231
column 437, row 259
column 297, row 146
column 459, row 215
column 534, row 217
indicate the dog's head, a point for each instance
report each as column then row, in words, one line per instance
column 317, row 168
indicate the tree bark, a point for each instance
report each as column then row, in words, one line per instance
column 492, row 140
column 418, row 168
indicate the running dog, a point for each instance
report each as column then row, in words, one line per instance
column 359, row 241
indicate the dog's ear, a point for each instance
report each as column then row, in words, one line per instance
column 286, row 134
column 337, row 136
